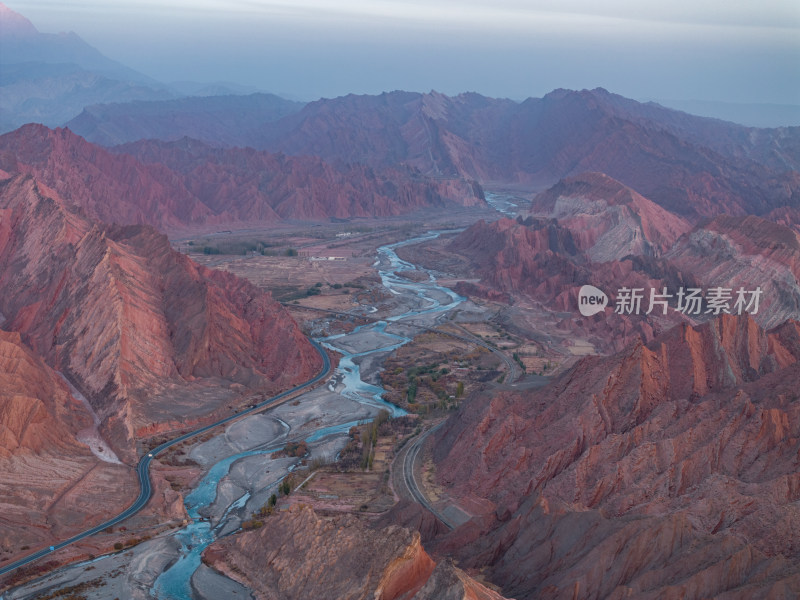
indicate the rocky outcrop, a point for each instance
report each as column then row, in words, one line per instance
column 539, row 261
column 533, row 257
column 545, row 261
column 667, row 470
column 300, row 555
column 448, row 582
column 748, row 252
column 415, row 517
column 608, row 220
column 139, row 329
column 38, row 414
column 187, row 183
column 297, row 554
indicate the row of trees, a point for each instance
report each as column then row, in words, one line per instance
column 369, row 439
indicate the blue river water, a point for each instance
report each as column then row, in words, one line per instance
column 174, row 583
column 502, row 203
column 195, row 537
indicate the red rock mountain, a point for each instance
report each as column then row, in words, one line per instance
column 609, row 220
column 268, row 186
column 537, row 262
column 105, row 187
column 531, row 257
column 47, row 477
column 432, row 132
column 693, row 166
column 39, row 413
column 213, row 186
column 343, row 558
column 665, row 471
column 689, row 165
column 546, row 261
column 748, row 252
column 144, row 333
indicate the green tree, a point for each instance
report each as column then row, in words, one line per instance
column 412, row 390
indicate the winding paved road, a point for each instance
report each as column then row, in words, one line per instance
column 406, row 459
column 143, row 467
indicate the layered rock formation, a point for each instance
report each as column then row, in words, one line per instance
column 51, row 484
column 609, row 220
column 747, row 252
column 447, row 582
column 106, row 188
column 38, row 412
column 432, row 132
column 298, row 555
column 665, row 471
column 214, row 186
column 546, row 260
column 140, row 330
column 539, row 261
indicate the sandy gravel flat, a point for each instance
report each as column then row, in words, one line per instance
column 249, row 433
column 207, row 584
column 129, row 574
column 365, row 341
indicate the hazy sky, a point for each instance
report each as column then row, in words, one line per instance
column 731, row 50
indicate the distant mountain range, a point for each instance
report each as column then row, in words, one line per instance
column 23, row 43
column 49, row 78
column 227, row 120
column 182, row 184
column 692, row 166
column 689, row 165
